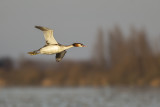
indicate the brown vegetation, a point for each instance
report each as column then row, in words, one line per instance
column 119, row 60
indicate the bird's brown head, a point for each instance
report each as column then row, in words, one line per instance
column 78, row 45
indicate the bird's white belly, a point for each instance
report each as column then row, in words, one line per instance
column 50, row 49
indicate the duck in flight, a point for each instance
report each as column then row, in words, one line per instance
column 52, row 46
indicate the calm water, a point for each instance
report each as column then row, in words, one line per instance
column 79, row 97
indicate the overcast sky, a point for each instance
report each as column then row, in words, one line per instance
column 72, row 21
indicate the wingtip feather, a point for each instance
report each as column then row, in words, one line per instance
column 41, row 28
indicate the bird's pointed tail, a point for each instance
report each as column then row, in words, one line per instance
column 33, row 53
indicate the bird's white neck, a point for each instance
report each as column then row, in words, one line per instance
column 68, row 46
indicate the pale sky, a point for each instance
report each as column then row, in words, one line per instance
column 72, row 21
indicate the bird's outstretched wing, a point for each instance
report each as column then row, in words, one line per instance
column 59, row 56
column 48, row 35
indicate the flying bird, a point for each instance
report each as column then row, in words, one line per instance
column 52, row 46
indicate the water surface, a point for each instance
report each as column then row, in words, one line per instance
column 79, row 97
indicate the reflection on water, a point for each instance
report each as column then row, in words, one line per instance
column 79, row 97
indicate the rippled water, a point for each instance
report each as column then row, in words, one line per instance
column 79, row 97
